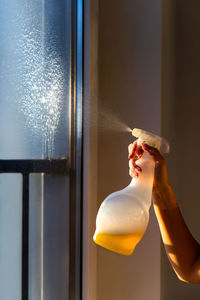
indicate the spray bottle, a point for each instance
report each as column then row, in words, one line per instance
column 123, row 216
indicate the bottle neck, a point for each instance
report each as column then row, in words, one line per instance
column 144, row 182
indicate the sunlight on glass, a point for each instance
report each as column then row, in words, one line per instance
column 34, row 78
column 42, row 84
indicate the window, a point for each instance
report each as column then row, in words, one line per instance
column 40, row 149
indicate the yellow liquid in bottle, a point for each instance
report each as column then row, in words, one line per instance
column 120, row 243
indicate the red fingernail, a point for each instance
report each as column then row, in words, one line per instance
column 140, row 151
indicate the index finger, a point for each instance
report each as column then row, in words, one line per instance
column 132, row 149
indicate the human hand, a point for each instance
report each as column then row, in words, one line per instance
column 160, row 175
column 135, row 152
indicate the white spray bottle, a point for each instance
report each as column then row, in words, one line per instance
column 123, row 216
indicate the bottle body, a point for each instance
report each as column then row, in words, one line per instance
column 123, row 216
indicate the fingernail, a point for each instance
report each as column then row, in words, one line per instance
column 140, row 151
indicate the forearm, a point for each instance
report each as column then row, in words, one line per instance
column 180, row 246
column 182, row 249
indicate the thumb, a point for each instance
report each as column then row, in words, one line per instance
column 153, row 152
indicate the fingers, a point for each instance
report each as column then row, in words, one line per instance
column 135, row 150
column 153, row 152
column 134, row 169
column 132, row 164
column 132, row 149
column 139, row 151
column 133, row 174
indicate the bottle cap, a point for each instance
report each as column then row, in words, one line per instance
column 151, row 139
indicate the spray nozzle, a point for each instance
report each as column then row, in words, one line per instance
column 151, row 139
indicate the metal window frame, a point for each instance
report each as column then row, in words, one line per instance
column 71, row 166
column 26, row 167
column 76, row 152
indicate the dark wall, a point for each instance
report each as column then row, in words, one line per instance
column 181, row 123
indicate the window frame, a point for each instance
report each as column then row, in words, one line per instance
column 71, row 166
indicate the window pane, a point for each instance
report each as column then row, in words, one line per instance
column 10, row 236
column 49, row 238
column 34, row 78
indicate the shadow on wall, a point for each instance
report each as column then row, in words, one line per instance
column 181, row 124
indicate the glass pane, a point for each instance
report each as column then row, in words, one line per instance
column 10, row 236
column 49, row 237
column 34, row 78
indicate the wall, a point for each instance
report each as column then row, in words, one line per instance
column 181, row 123
column 90, row 149
column 128, row 46
column 129, row 61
